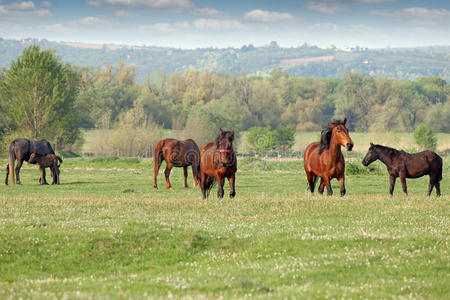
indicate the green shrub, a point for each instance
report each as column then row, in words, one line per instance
column 425, row 137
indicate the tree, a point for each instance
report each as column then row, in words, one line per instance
column 262, row 138
column 425, row 137
column 285, row 137
column 38, row 96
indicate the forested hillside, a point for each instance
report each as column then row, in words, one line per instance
column 43, row 97
column 305, row 60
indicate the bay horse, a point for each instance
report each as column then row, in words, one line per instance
column 20, row 149
column 324, row 159
column 48, row 161
column 218, row 161
column 406, row 165
column 177, row 154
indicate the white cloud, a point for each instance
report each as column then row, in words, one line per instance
column 329, row 27
column 92, row 21
column 124, row 14
column 217, row 24
column 259, row 15
column 165, row 27
column 211, row 12
column 415, row 12
column 58, row 28
column 23, row 9
column 26, row 5
column 143, row 3
column 338, row 6
column 46, row 4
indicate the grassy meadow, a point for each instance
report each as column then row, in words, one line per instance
column 106, row 233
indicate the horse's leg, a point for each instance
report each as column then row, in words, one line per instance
column 328, row 185
column 342, row 184
column 430, row 186
column 403, row 180
column 54, row 175
column 392, row 184
column 231, row 180
column 7, row 174
column 438, row 188
column 195, row 175
column 167, row 173
column 185, row 176
column 321, row 186
column 43, row 181
column 311, row 180
column 19, row 165
column 155, row 172
column 220, row 181
column 202, row 185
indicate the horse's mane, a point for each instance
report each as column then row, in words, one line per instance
column 387, row 150
column 325, row 135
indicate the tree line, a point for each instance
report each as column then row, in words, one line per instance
column 43, row 97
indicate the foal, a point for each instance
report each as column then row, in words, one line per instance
column 48, row 161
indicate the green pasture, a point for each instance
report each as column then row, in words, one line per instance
column 106, row 233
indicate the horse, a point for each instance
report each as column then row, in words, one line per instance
column 177, row 154
column 20, row 149
column 218, row 161
column 324, row 159
column 48, row 161
column 406, row 165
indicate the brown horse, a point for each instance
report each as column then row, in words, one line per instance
column 177, row 154
column 48, row 161
column 218, row 161
column 324, row 159
column 406, row 165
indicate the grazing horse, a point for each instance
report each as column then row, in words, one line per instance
column 20, row 149
column 406, row 165
column 218, row 160
column 177, row 154
column 48, row 161
column 324, row 159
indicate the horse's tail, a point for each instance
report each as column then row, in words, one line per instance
column 209, row 183
column 12, row 159
column 59, row 158
column 439, row 178
column 158, row 154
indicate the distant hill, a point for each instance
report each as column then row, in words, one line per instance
column 398, row 63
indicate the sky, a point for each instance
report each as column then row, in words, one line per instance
column 229, row 23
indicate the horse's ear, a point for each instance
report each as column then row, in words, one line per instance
column 345, row 121
column 371, row 144
column 220, row 132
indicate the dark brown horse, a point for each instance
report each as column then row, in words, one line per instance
column 218, row 161
column 324, row 159
column 47, row 161
column 177, row 154
column 20, row 149
column 406, row 165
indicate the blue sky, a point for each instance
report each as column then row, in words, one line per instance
column 201, row 23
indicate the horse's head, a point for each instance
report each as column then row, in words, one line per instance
column 224, row 143
column 33, row 158
column 340, row 133
column 371, row 156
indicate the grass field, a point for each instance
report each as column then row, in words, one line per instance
column 106, row 233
